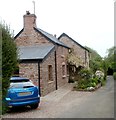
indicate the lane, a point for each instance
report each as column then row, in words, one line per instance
column 100, row 104
column 66, row 103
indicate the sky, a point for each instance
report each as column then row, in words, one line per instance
column 89, row 22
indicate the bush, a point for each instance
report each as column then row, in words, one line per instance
column 114, row 75
column 9, row 61
column 85, row 73
column 99, row 74
column 88, row 79
column 84, row 84
column 95, row 80
column 103, row 82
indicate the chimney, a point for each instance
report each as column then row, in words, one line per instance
column 29, row 20
column 55, row 35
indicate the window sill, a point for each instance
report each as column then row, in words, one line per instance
column 67, row 75
column 50, row 82
column 62, row 56
column 63, row 76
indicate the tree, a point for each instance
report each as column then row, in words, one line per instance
column 95, row 60
column 110, row 59
column 9, row 60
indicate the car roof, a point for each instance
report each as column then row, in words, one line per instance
column 18, row 78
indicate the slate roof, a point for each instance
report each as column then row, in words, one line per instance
column 34, row 52
column 64, row 34
column 51, row 37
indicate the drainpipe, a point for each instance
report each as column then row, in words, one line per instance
column 56, row 71
column 39, row 78
column 85, row 57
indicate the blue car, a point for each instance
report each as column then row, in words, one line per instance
column 22, row 92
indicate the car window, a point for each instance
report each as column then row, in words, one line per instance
column 19, row 80
column 21, row 85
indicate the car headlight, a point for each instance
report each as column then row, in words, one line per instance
column 8, row 99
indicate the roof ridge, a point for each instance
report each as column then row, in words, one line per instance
column 50, row 37
column 64, row 34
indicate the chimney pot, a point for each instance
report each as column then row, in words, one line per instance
column 27, row 12
column 29, row 20
column 54, row 35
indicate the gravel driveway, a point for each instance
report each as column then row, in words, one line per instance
column 60, row 103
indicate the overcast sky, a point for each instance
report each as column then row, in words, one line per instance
column 89, row 22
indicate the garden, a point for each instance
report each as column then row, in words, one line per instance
column 95, row 76
column 89, row 81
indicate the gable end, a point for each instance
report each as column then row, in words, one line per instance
column 50, row 37
column 18, row 33
column 65, row 35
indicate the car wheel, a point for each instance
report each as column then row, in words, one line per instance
column 34, row 106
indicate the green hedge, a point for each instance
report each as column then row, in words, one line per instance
column 114, row 75
column 9, row 61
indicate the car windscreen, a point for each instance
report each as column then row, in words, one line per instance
column 19, row 80
column 21, row 85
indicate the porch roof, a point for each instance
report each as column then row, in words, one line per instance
column 34, row 52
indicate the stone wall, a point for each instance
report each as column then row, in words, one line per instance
column 29, row 70
column 30, row 37
column 47, row 86
column 79, row 51
column 61, row 54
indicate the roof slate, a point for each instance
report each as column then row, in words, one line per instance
column 51, row 37
column 34, row 52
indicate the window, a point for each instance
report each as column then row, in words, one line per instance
column 67, row 69
column 63, row 70
column 85, row 56
column 50, row 76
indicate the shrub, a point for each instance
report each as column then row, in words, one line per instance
column 82, row 84
column 103, row 82
column 95, row 80
column 114, row 75
column 99, row 74
column 9, row 61
column 88, row 79
column 85, row 74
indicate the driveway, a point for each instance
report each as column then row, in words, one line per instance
column 65, row 103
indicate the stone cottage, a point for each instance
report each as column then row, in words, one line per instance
column 78, row 50
column 42, row 56
column 78, row 57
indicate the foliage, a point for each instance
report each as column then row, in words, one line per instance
column 88, row 79
column 94, row 54
column 9, row 60
column 110, row 59
column 99, row 74
column 73, row 59
column 85, row 73
column 95, row 60
column 114, row 75
column 0, row 71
